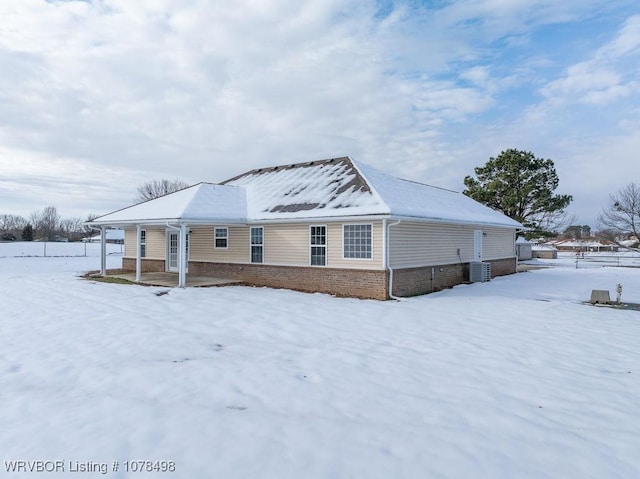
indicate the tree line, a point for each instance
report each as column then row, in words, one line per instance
column 44, row 225
column 48, row 225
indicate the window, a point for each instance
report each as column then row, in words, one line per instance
column 221, row 238
column 257, row 244
column 143, row 243
column 318, row 244
column 357, row 241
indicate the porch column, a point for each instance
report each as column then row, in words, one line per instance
column 182, row 257
column 103, row 251
column 138, row 253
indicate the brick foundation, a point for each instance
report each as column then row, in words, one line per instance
column 148, row 265
column 371, row 284
column 415, row 281
column 502, row 267
column 427, row 279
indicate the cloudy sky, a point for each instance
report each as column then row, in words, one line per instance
column 97, row 97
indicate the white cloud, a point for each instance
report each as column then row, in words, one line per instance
column 608, row 76
column 132, row 90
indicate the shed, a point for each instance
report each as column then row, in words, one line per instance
column 523, row 249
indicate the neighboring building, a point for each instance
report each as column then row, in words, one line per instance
column 114, row 236
column 333, row 226
column 523, row 249
column 544, row 251
column 584, row 246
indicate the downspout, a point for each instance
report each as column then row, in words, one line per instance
column 182, row 281
column 387, row 260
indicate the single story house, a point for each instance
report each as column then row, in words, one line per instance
column 335, row 226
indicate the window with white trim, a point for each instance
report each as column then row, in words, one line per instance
column 357, row 241
column 143, row 243
column 318, row 245
column 221, row 238
column 257, row 244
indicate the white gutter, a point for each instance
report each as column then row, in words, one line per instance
column 306, row 219
column 244, row 221
column 388, row 263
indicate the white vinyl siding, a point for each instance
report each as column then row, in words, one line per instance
column 155, row 243
column 202, row 245
column 498, row 243
column 283, row 244
column 423, row 244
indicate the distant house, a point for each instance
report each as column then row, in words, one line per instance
column 335, row 226
column 584, row 246
column 114, row 236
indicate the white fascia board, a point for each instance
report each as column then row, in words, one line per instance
column 419, row 219
column 319, row 219
column 164, row 221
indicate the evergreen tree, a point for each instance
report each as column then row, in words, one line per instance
column 27, row 233
column 521, row 186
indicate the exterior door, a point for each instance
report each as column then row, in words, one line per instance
column 173, row 251
column 477, row 245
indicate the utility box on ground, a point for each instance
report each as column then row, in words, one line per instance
column 600, row 296
column 479, row 272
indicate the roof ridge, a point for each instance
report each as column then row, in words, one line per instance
column 287, row 166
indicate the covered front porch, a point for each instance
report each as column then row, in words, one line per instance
column 203, row 204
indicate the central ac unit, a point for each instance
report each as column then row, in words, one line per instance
column 479, row 272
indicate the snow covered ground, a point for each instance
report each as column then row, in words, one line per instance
column 515, row 378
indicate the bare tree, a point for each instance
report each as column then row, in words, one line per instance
column 72, row 228
column 12, row 225
column 46, row 222
column 622, row 214
column 156, row 188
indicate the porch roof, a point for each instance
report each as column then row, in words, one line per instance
column 199, row 203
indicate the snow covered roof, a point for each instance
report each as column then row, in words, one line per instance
column 201, row 202
column 338, row 187
column 543, row 247
column 582, row 243
column 343, row 187
column 315, row 189
column 117, row 234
